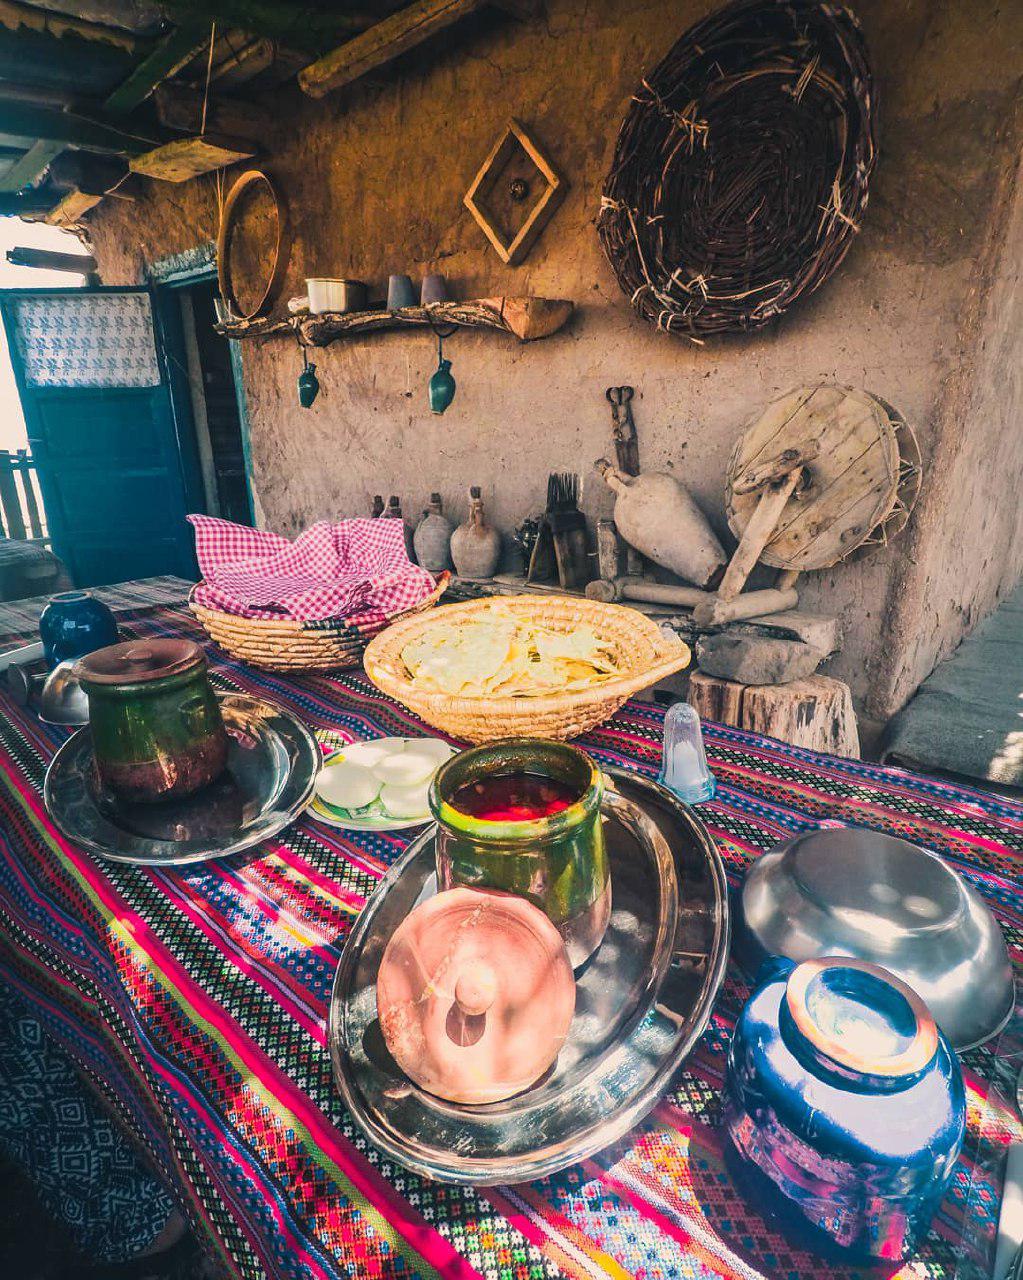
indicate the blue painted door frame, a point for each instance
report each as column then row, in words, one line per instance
column 198, row 266
column 118, row 466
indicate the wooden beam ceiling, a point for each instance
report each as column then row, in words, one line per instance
column 382, row 43
column 71, row 129
column 310, row 27
column 172, row 53
column 393, row 36
column 36, row 160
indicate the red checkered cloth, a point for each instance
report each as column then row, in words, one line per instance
column 358, row 570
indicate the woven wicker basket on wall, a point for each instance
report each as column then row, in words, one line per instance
column 287, row 645
column 641, row 651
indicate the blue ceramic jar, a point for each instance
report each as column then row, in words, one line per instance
column 73, row 624
column 844, row 1107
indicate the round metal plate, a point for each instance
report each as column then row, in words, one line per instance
column 641, row 1004
column 271, row 768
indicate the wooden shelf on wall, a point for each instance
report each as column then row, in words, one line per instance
column 527, row 318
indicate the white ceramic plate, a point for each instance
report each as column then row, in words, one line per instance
column 372, row 818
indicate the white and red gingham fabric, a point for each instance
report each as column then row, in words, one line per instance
column 357, row 569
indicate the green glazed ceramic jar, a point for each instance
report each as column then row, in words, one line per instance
column 155, row 721
column 558, row 862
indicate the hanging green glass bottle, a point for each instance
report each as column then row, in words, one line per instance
column 308, row 383
column 442, row 384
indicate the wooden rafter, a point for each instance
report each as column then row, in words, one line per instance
column 310, row 26
column 48, row 260
column 382, row 43
column 164, row 59
column 35, row 161
column 390, row 38
column 172, row 53
column 70, row 128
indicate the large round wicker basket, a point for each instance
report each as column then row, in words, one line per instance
column 285, row 644
column 642, row 652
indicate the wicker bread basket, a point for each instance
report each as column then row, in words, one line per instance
column 284, row 644
column 643, row 653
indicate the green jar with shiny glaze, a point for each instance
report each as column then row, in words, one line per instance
column 558, row 862
column 156, row 726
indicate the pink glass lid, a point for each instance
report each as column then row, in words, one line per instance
column 475, row 995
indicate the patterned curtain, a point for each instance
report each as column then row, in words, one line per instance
column 87, row 340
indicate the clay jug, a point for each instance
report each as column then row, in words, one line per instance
column 393, row 512
column 657, row 515
column 475, row 546
column 432, row 538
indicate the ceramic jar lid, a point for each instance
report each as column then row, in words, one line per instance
column 475, row 995
column 139, row 661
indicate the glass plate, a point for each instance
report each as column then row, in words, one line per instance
column 271, row 768
column 641, row 1004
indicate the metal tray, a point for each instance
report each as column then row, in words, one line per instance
column 271, row 768
column 642, row 1002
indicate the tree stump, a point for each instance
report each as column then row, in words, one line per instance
column 716, row 699
column 815, row 713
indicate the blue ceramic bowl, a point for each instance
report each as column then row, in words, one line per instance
column 844, row 1107
column 73, row 624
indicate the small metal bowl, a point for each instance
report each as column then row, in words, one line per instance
column 62, row 699
column 850, row 892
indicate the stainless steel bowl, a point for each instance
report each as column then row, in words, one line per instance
column 63, row 700
column 850, row 892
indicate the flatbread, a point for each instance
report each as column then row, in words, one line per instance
column 497, row 654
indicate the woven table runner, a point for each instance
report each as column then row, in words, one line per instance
column 196, row 1000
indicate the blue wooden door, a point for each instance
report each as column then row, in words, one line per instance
column 116, row 458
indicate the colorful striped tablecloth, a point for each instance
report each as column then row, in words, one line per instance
column 196, row 1001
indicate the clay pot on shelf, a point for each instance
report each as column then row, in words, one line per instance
column 475, row 545
column 432, row 538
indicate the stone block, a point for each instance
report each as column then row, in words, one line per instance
column 755, row 659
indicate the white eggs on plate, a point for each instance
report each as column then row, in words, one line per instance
column 406, row 802
column 408, row 769
column 382, row 778
column 348, row 785
column 371, row 753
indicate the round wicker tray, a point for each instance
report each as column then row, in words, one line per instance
column 284, row 644
column 643, row 653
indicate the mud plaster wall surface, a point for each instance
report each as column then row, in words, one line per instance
column 375, row 177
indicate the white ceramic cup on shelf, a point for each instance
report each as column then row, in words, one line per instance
column 327, row 294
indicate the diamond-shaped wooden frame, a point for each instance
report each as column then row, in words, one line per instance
column 512, row 252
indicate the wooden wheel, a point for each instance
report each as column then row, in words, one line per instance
column 850, row 488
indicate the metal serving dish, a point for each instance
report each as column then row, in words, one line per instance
column 642, row 1002
column 271, row 768
column 850, row 892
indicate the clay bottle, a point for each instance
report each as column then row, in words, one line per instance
column 432, row 538
column 475, row 546
column 393, row 512
column 657, row 515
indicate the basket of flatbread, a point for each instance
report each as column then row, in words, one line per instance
column 548, row 667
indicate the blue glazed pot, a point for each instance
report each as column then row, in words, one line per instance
column 844, row 1107
column 73, row 624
